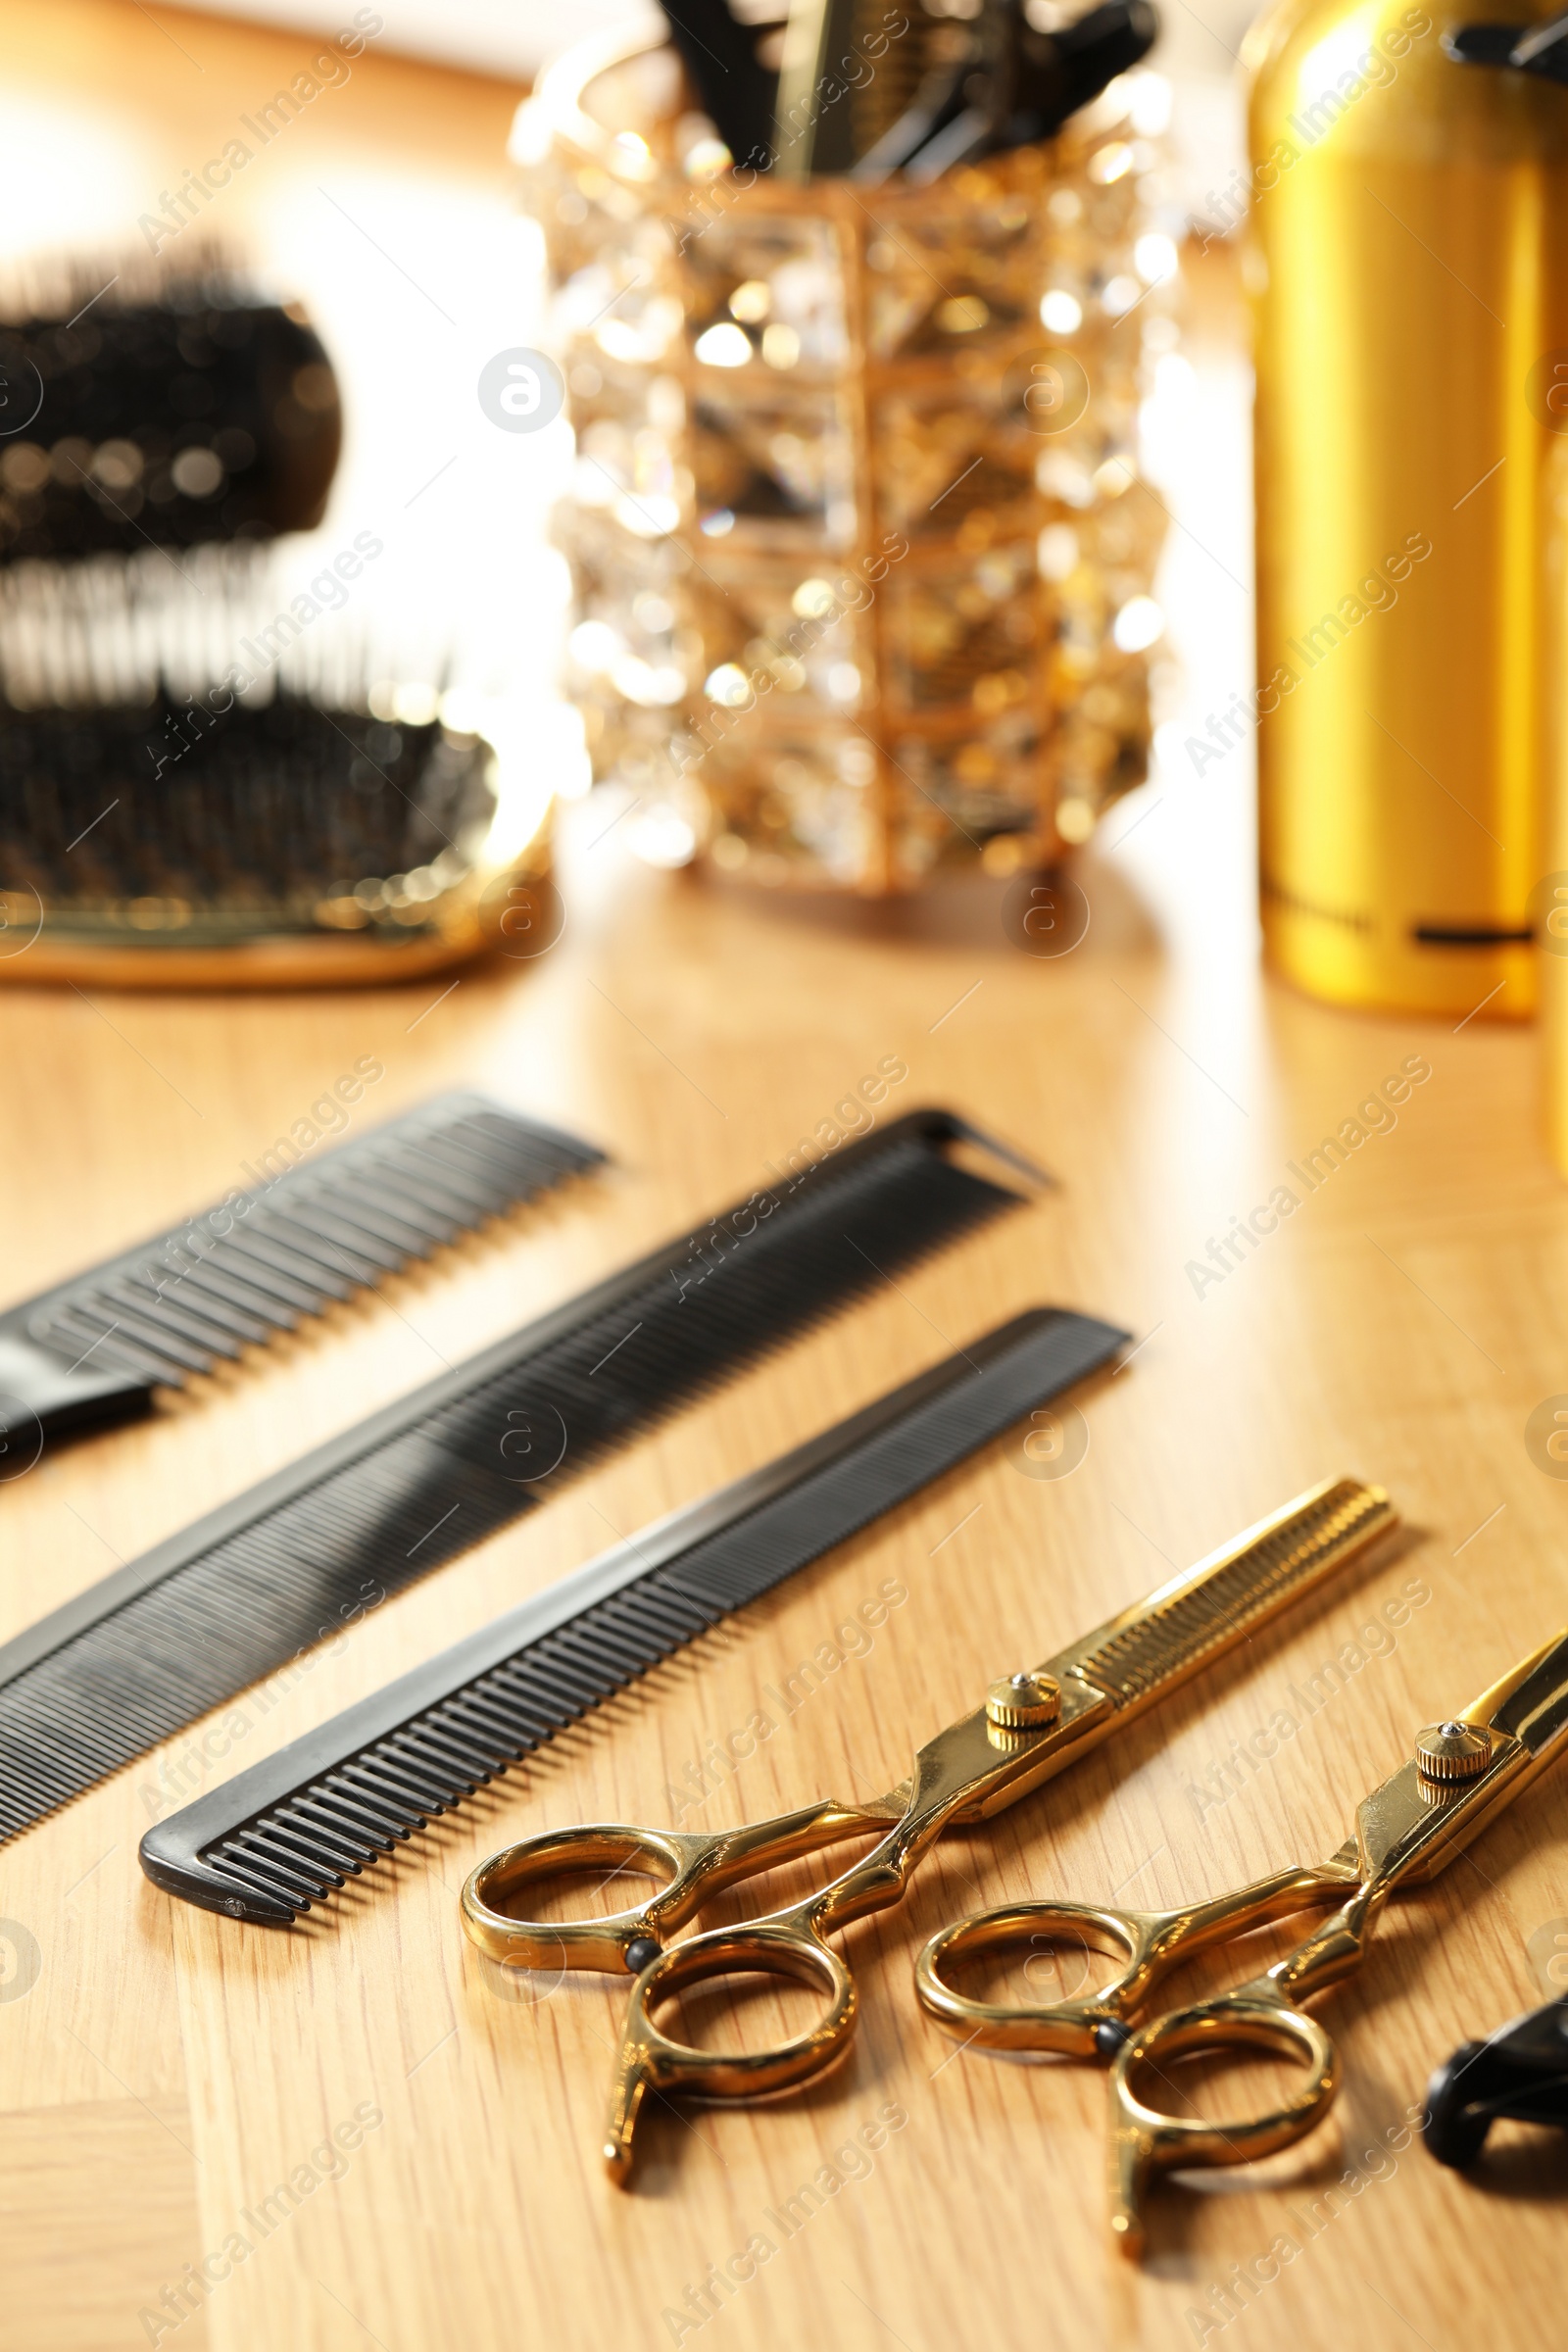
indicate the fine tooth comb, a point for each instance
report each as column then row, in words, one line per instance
column 283, row 1835
column 97, row 1349
column 158, row 1643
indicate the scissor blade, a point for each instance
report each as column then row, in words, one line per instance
column 1530, row 1705
column 1157, row 1643
column 1410, row 1828
column 1132, row 1659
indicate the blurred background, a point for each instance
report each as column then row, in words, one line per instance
column 1198, row 51
column 390, row 210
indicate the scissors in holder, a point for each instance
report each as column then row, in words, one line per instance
column 1031, row 1726
column 1460, row 1773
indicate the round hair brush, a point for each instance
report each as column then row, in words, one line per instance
column 175, row 408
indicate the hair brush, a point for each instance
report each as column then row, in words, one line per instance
column 202, row 786
column 210, row 771
column 171, row 405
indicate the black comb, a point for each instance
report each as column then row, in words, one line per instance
column 280, row 1836
column 94, row 1349
column 157, row 1643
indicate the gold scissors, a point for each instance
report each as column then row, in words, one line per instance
column 1029, row 1728
column 1460, row 1773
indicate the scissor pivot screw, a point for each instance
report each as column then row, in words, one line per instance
column 1020, row 1702
column 1451, row 1752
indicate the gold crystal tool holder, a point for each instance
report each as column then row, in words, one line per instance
column 862, row 551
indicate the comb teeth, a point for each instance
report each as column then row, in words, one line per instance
column 159, row 1644
column 442, row 1756
column 286, row 1833
column 239, row 1274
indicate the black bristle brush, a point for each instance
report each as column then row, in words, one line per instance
column 175, row 405
column 208, row 772
column 188, row 764
column 281, row 808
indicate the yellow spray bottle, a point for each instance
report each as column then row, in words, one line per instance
column 1408, row 262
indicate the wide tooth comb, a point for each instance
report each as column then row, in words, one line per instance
column 95, row 1348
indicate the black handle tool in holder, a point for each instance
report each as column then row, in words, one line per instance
column 1538, row 49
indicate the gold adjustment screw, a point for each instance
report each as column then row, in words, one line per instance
column 1451, row 1752
column 1021, row 1702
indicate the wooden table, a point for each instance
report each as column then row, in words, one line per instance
column 163, row 2071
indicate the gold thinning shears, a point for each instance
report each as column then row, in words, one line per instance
column 1460, row 1773
column 1031, row 1726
